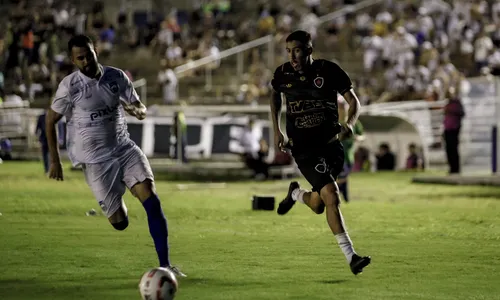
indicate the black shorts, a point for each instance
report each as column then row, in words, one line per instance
column 321, row 165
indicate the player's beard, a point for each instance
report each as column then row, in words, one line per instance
column 90, row 71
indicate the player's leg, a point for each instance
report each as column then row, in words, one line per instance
column 330, row 195
column 138, row 176
column 321, row 173
column 306, row 165
column 297, row 194
column 104, row 179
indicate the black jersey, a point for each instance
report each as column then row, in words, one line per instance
column 311, row 99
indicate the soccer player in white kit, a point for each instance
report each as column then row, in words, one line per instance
column 92, row 99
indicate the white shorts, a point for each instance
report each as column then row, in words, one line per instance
column 108, row 180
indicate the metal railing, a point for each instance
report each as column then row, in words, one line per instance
column 238, row 51
column 268, row 41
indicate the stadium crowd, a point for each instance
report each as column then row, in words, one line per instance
column 409, row 51
column 406, row 51
column 419, row 48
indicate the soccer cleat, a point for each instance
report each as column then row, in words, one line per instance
column 288, row 202
column 176, row 271
column 358, row 263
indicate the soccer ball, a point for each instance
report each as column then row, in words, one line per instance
column 158, row 284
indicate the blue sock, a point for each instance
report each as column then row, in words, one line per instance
column 343, row 191
column 158, row 228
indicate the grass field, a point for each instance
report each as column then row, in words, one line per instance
column 426, row 242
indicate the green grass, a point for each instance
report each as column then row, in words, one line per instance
column 426, row 242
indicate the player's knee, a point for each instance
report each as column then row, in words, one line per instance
column 143, row 190
column 122, row 225
column 317, row 204
column 330, row 195
column 319, row 209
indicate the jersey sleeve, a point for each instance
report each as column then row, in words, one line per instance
column 61, row 103
column 127, row 90
column 341, row 81
column 277, row 79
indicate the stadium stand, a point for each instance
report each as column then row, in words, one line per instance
column 431, row 40
column 395, row 50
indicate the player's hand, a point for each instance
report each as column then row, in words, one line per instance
column 56, row 171
column 346, row 132
column 138, row 112
column 279, row 141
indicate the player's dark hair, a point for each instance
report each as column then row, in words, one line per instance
column 301, row 36
column 80, row 40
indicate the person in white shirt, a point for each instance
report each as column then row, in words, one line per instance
column 310, row 22
column 373, row 46
column 403, row 47
column 483, row 48
column 253, row 155
column 495, row 12
column 93, row 100
column 168, row 82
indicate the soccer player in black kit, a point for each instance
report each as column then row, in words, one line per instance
column 314, row 133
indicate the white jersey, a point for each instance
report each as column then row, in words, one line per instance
column 96, row 124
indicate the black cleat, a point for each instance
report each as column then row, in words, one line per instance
column 288, row 202
column 358, row 263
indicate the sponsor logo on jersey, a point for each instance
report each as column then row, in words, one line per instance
column 109, row 110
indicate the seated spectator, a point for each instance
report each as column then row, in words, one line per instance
column 414, row 160
column 386, row 160
column 254, row 152
column 362, row 161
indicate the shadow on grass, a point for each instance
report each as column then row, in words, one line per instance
column 66, row 289
column 490, row 193
column 185, row 282
column 338, row 281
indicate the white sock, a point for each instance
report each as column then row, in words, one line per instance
column 298, row 195
column 345, row 245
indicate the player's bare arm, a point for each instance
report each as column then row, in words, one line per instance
column 353, row 112
column 279, row 138
column 55, row 170
column 136, row 109
column 130, row 99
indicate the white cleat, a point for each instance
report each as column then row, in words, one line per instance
column 176, row 271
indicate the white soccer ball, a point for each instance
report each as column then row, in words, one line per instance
column 158, row 284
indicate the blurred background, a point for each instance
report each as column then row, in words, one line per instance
column 203, row 68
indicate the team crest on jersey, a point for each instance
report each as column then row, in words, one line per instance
column 113, row 86
column 319, row 81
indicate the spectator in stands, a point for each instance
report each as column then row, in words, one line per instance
column 253, row 152
column 453, row 115
column 414, row 160
column 167, row 81
column 483, row 49
column 372, row 46
column 386, row 160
